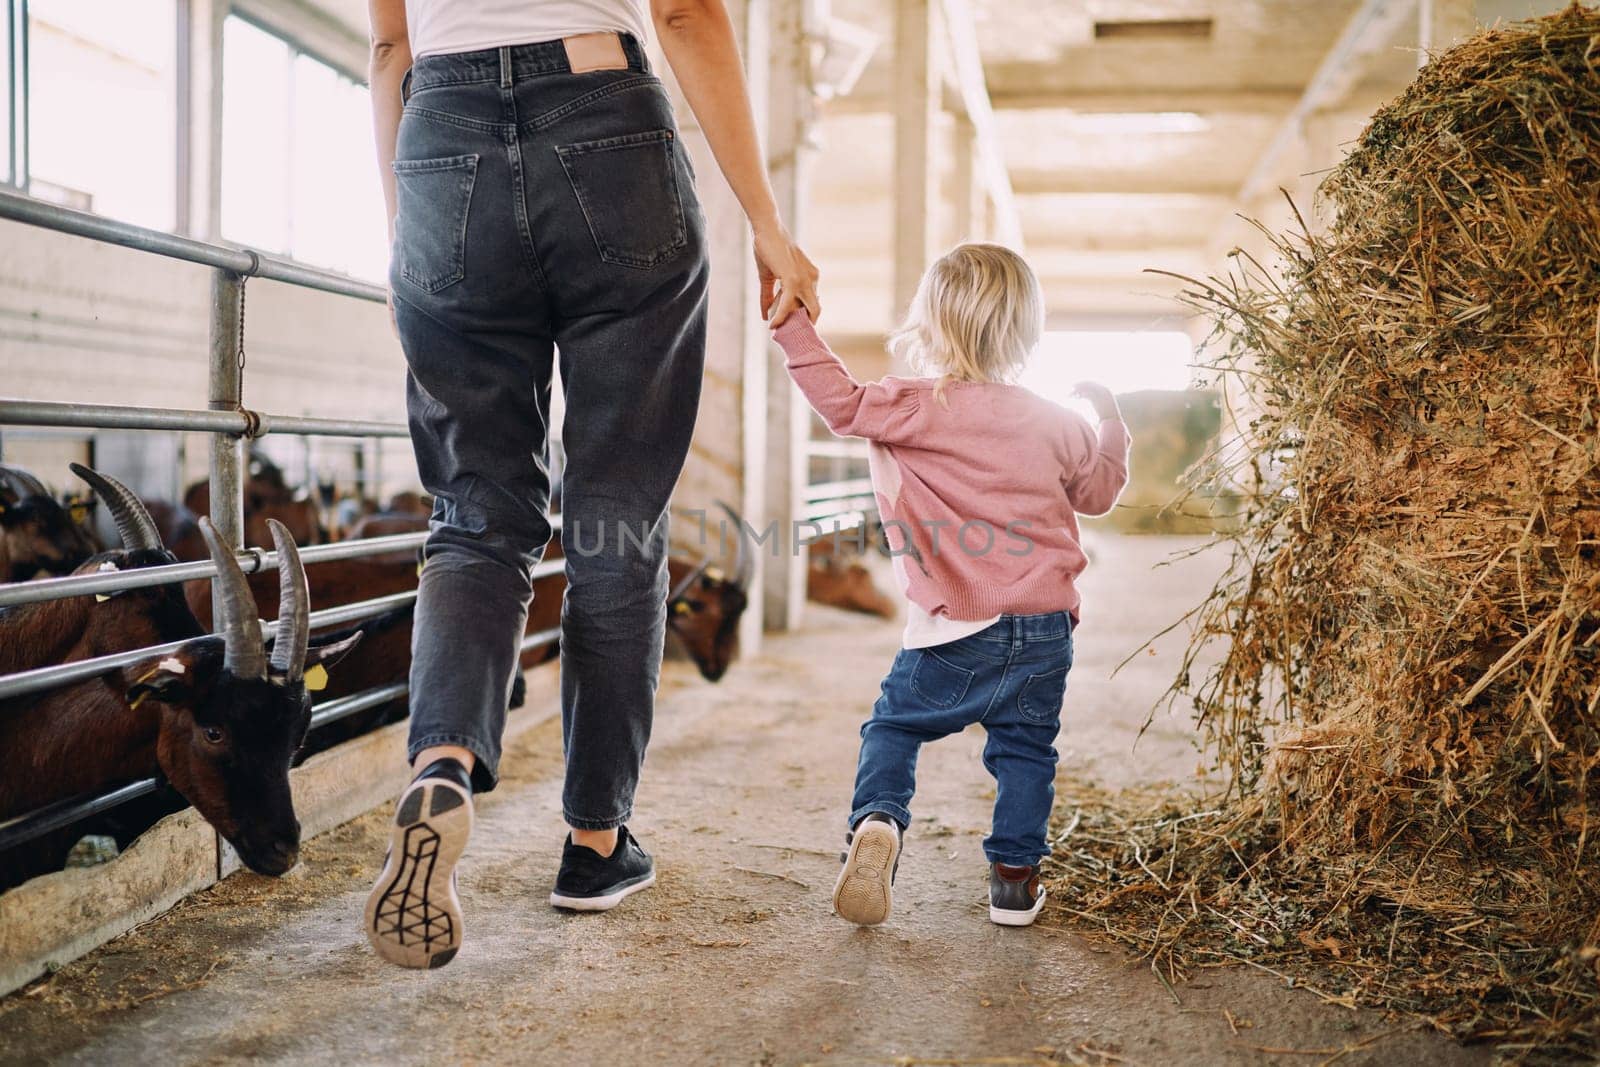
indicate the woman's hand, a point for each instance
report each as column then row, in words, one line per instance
column 788, row 277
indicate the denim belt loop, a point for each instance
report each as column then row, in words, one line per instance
column 505, row 66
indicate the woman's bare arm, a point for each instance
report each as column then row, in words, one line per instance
column 698, row 39
column 391, row 58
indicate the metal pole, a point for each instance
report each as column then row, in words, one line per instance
column 226, row 394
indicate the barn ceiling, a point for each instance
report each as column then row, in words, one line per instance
column 1128, row 128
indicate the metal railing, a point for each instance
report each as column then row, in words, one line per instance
column 230, row 423
column 843, row 503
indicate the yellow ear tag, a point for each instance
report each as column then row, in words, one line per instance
column 316, row 679
column 79, row 512
column 145, row 677
column 101, row 598
column 419, row 570
column 680, row 607
column 714, row 573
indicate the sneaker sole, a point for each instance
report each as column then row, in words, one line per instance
column 1012, row 917
column 605, row 902
column 864, row 892
column 413, row 916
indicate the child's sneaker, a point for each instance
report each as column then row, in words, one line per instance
column 1015, row 895
column 864, row 892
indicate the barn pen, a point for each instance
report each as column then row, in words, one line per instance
column 1284, row 758
column 24, row 954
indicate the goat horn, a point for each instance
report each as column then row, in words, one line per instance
column 688, row 580
column 744, row 563
column 134, row 524
column 244, row 654
column 21, row 482
column 294, row 607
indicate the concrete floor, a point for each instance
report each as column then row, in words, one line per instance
column 733, row 957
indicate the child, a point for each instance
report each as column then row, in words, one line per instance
column 979, row 483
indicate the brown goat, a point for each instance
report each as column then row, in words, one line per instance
column 216, row 717
column 38, row 534
column 839, row 579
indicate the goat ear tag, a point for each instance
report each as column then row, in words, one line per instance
column 316, row 679
column 680, row 607
column 714, row 574
column 79, row 512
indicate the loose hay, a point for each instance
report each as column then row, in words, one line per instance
column 1406, row 705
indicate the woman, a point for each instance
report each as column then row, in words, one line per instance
column 542, row 206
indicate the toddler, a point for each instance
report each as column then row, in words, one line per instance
column 979, row 483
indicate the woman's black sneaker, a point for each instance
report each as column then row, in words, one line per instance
column 589, row 881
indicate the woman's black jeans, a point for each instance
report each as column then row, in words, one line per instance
column 546, row 215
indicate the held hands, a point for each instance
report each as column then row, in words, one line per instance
column 1101, row 398
column 788, row 277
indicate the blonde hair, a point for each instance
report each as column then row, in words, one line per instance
column 977, row 316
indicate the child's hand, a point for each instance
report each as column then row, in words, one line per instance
column 1101, row 398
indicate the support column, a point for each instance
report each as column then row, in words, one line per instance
column 788, row 419
column 1442, row 24
column 200, row 128
column 967, row 191
column 916, row 169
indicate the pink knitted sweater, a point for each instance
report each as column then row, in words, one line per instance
column 980, row 493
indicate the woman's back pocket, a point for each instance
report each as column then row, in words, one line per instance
column 434, row 197
column 628, row 189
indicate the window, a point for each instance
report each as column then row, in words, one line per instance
column 299, row 176
column 10, row 99
column 102, row 107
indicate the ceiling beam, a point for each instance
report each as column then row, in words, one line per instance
column 1149, row 182
column 1114, row 101
column 961, row 36
column 871, row 96
column 1371, row 27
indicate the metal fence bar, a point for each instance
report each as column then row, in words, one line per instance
column 852, row 487
column 28, row 826
column 42, row 678
column 837, row 449
column 344, row 707
column 226, row 383
column 334, row 710
column 251, row 561
column 23, row 828
column 15, row 412
column 240, row 261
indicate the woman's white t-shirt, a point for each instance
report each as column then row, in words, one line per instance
column 437, row 27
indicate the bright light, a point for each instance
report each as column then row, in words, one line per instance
column 1125, row 362
column 298, row 174
column 1115, row 122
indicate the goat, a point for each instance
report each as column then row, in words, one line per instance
column 839, row 579
column 218, row 718
column 38, row 535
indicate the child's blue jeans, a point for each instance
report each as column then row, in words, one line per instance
column 1010, row 678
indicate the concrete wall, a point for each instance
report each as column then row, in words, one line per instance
column 92, row 323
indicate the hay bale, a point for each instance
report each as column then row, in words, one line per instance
column 1409, row 709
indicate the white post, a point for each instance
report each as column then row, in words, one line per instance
column 967, row 188
column 787, row 419
column 916, row 171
